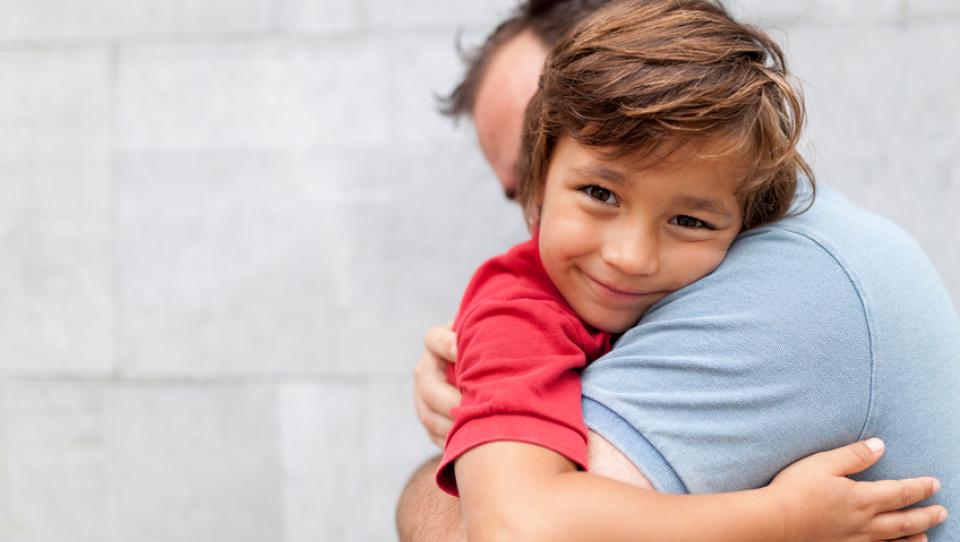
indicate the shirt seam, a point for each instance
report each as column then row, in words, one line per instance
column 868, row 321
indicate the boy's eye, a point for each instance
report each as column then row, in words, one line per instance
column 600, row 194
column 686, row 221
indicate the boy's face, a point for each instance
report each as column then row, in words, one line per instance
column 615, row 239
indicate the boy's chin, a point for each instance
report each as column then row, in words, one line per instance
column 614, row 326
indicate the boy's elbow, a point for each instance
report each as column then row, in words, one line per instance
column 508, row 492
column 491, row 532
column 500, row 532
column 511, row 522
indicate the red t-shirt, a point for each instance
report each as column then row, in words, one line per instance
column 520, row 349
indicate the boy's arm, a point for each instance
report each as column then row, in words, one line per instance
column 517, row 491
column 427, row 514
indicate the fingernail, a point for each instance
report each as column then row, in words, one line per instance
column 936, row 485
column 875, row 444
column 453, row 349
column 943, row 515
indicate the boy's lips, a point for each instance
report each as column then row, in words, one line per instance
column 614, row 289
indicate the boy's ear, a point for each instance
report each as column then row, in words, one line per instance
column 533, row 216
column 538, row 200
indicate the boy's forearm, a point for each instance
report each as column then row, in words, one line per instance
column 426, row 514
column 524, row 492
column 597, row 508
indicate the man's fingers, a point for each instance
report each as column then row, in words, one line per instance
column 431, row 386
column 915, row 538
column 442, row 342
column 440, row 396
column 896, row 494
column 893, row 525
column 437, row 399
column 436, row 425
column 852, row 458
column 434, row 397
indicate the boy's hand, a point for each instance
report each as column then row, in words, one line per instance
column 821, row 504
column 432, row 394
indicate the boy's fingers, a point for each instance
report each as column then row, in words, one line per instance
column 852, row 458
column 906, row 523
column 915, row 538
column 896, row 494
column 442, row 342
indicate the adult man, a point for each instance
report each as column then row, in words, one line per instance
column 813, row 333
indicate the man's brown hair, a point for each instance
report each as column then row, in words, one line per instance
column 548, row 20
column 641, row 77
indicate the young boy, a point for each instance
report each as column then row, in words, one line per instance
column 661, row 130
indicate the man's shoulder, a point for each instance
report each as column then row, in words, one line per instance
column 780, row 294
column 792, row 276
column 828, row 252
column 855, row 238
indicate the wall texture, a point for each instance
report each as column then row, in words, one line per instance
column 224, row 226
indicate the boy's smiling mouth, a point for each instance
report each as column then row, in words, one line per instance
column 610, row 289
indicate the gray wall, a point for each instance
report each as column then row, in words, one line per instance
column 224, row 226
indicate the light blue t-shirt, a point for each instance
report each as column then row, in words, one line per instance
column 819, row 330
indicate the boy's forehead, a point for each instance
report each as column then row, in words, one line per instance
column 674, row 154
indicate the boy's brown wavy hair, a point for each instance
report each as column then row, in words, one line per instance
column 643, row 76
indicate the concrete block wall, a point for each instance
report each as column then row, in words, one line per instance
column 224, row 226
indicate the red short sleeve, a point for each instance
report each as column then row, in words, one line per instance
column 519, row 374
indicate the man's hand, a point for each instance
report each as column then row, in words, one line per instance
column 433, row 396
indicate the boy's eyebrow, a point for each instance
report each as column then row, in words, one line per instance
column 709, row 205
column 602, row 171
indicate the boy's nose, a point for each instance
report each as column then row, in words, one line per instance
column 633, row 253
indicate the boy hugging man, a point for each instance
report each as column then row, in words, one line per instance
column 660, row 131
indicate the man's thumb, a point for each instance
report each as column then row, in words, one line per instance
column 855, row 457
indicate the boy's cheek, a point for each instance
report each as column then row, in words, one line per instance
column 700, row 262
column 572, row 228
